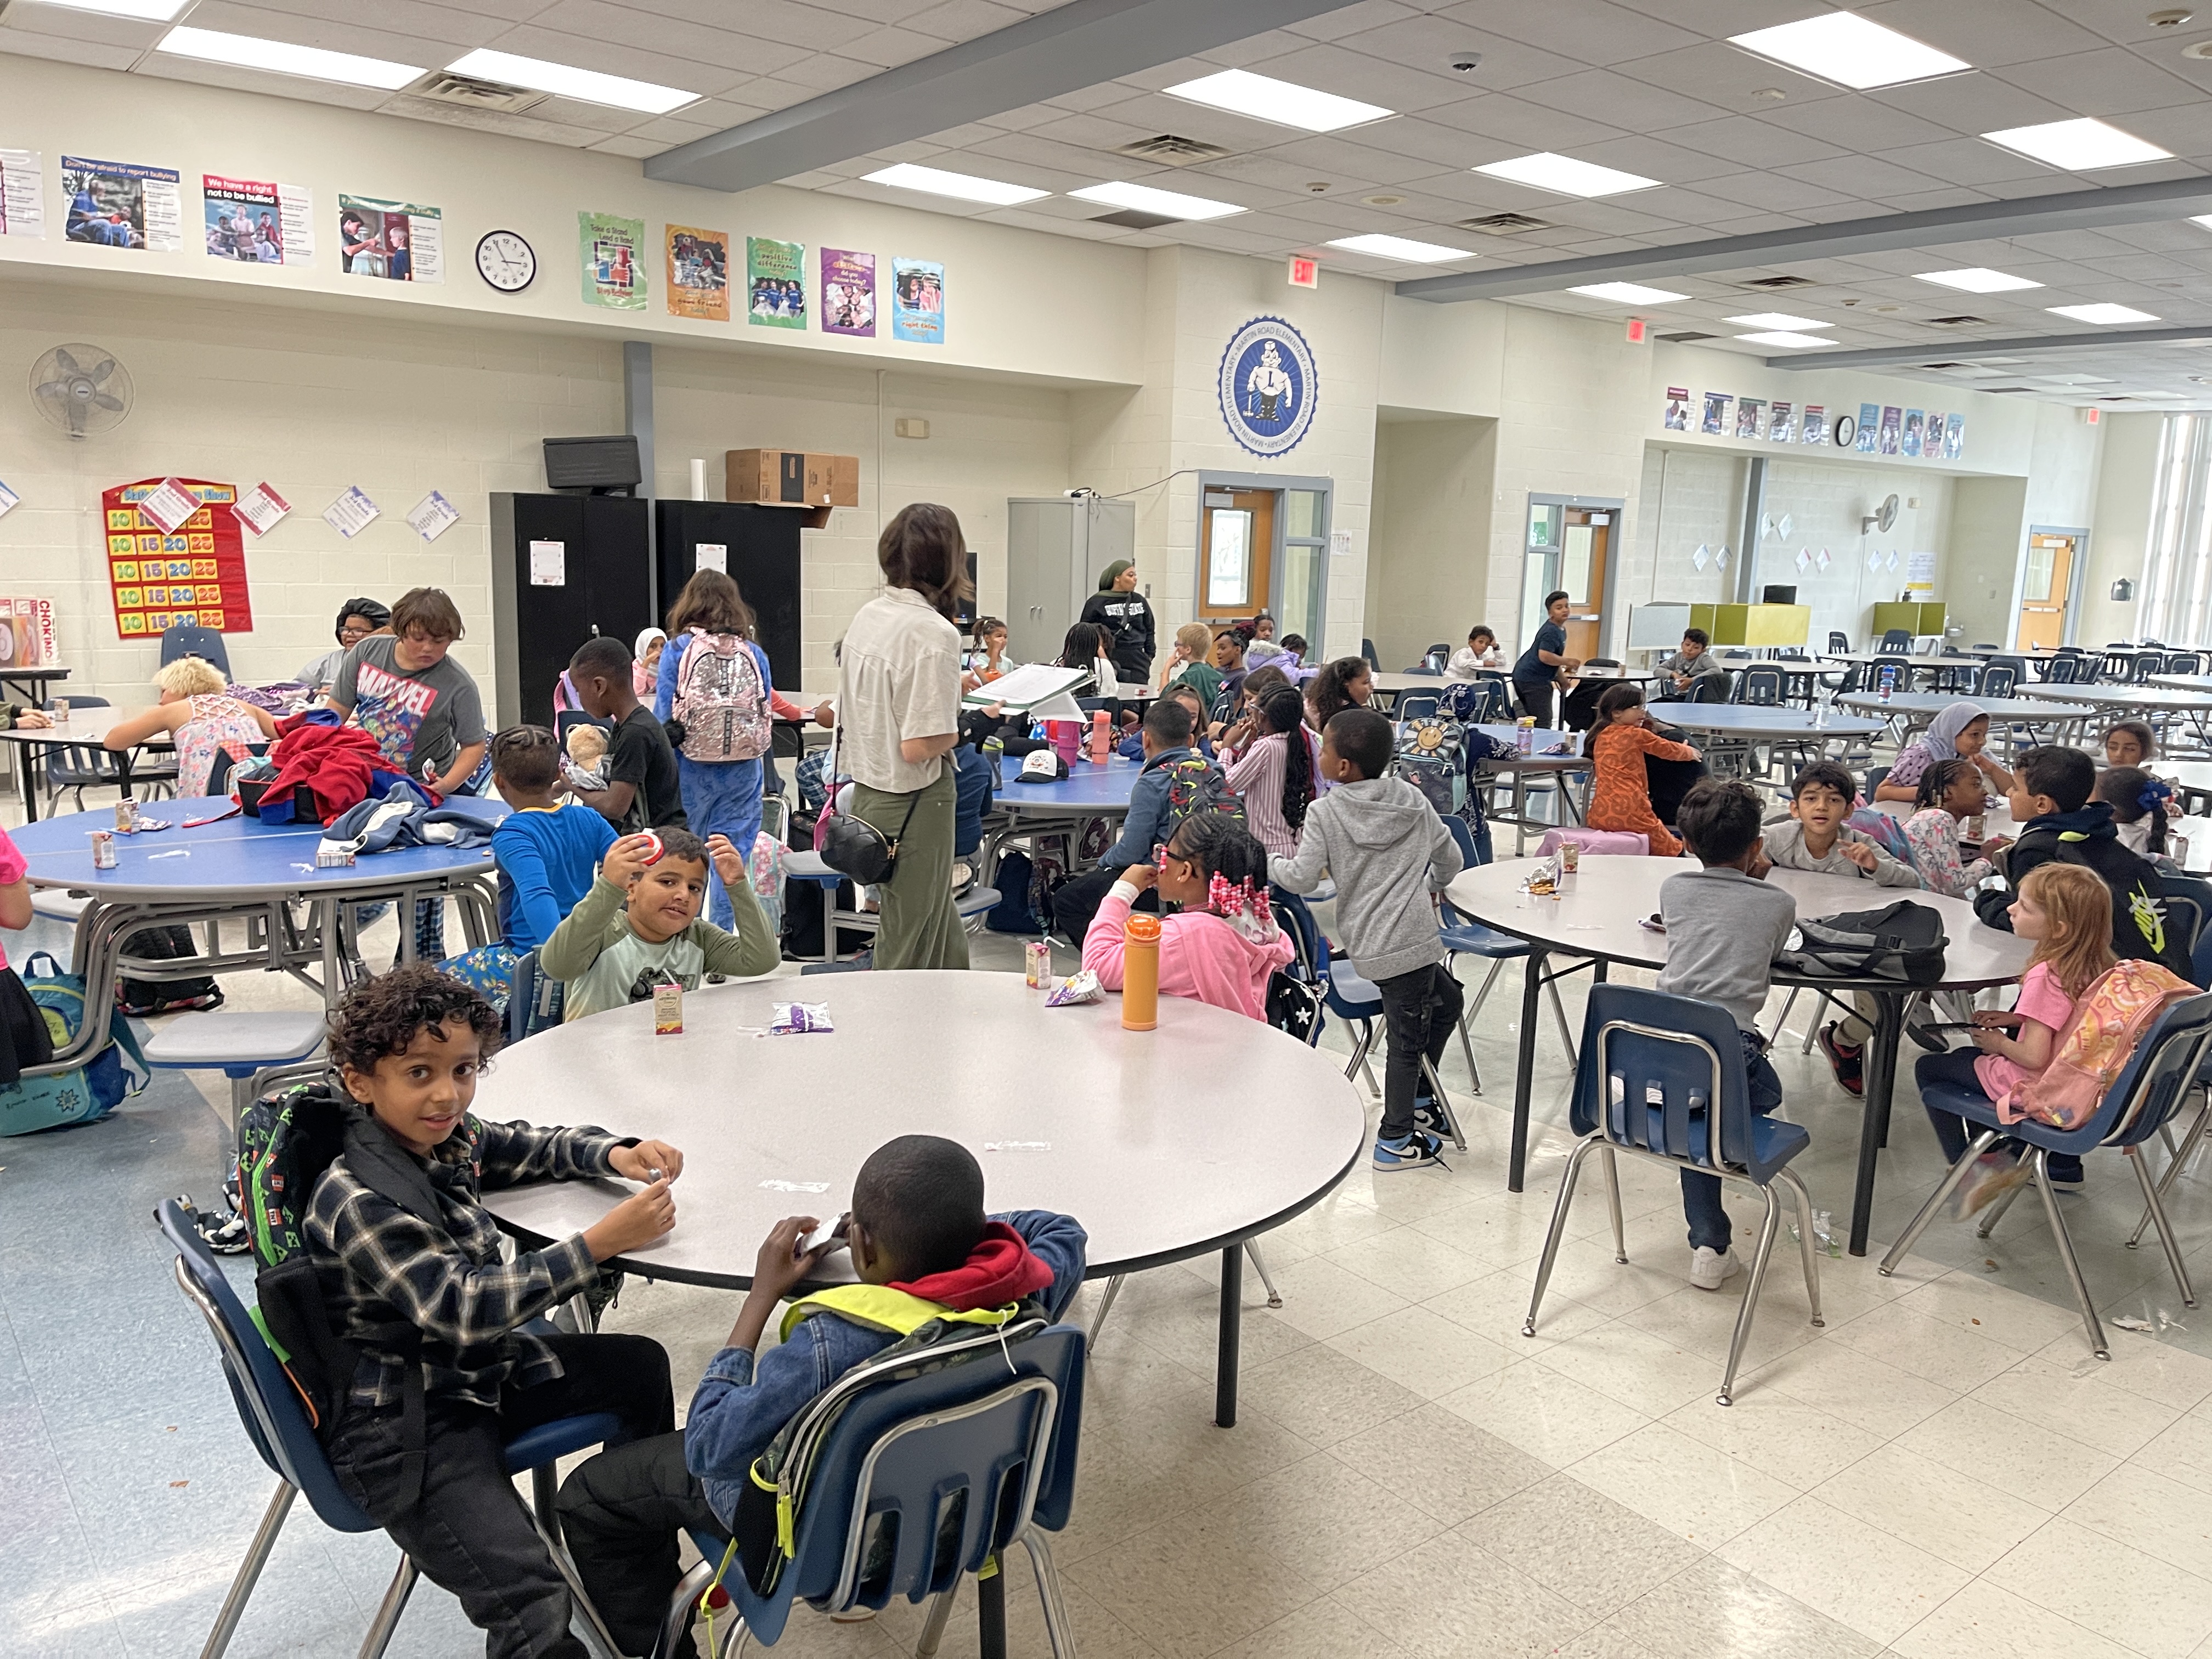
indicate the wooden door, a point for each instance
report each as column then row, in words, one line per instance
column 2043, row 587
column 1583, row 543
column 1236, row 547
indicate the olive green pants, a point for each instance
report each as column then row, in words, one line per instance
column 918, row 927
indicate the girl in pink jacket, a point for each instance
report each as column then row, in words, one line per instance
column 1223, row 944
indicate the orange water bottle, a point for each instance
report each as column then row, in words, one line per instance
column 1140, row 974
column 1102, row 736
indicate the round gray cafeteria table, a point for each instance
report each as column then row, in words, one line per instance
column 86, row 728
column 1921, row 706
column 1103, row 1124
column 1751, row 722
column 2183, row 682
column 1596, row 919
column 2118, row 698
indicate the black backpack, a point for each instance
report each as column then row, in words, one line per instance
column 1904, row 942
column 170, row 942
column 2139, row 926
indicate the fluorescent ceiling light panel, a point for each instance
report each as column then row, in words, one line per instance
column 618, row 92
column 2102, row 313
column 1976, row 279
column 1783, row 337
column 1845, row 48
column 1168, row 203
column 1283, row 102
column 2203, row 219
column 2081, row 145
column 1401, row 247
column 1778, row 319
column 146, row 11
column 1628, row 293
column 935, row 181
column 282, row 58
column 1566, row 176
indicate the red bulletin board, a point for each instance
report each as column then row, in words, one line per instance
column 197, row 576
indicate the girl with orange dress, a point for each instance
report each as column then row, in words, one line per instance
column 1620, row 793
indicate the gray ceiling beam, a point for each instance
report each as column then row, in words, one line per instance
column 1967, row 350
column 2072, row 209
column 1054, row 53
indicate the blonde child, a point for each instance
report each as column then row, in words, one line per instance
column 1222, row 944
column 2067, row 910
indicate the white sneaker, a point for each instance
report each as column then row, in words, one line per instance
column 1709, row 1268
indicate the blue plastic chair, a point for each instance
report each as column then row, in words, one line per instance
column 1416, row 705
column 1658, row 1062
column 1897, row 640
column 952, row 1468
column 269, row 1408
column 80, row 767
column 1759, row 686
column 2142, row 1101
column 2061, row 670
column 534, row 1000
column 188, row 640
column 1998, row 680
column 1463, row 937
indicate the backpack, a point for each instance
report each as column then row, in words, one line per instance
column 91, row 1090
column 720, row 702
column 1016, row 910
column 171, row 942
column 1196, row 785
column 1904, row 942
column 1429, row 755
column 2139, row 929
column 2110, row 1019
column 1884, row 831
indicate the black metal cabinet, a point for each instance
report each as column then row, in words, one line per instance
column 757, row 547
column 605, row 570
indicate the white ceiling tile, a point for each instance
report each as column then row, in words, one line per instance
column 1988, row 32
column 333, row 34
column 534, row 126
column 1352, row 74
column 812, row 26
column 622, row 144
column 1853, row 125
column 1430, row 43
column 2110, row 83
column 1774, row 191
column 64, row 49
column 888, row 48
column 966, row 20
column 1664, row 159
column 1720, row 74
column 1360, row 15
column 596, row 35
column 826, row 71
column 1517, row 125
column 1341, row 157
column 1592, row 31
column 1622, row 101
column 423, row 19
column 1860, row 175
column 1748, row 141
column 1965, row 161
column 1962, row 103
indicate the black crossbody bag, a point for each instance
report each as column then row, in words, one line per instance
column 852, row 845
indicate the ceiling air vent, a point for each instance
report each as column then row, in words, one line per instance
column 1171, row 149
column 1686, row 338
column 1770, row 283
column 1955, row 322
column 1505, row 224
column 2004, row 388
column 467, row 92
column 1133, row 219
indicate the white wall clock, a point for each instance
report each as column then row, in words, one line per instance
column 506, row 261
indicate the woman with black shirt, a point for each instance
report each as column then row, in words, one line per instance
column 1126, row 617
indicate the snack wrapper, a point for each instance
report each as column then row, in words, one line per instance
column 795, row 1018
column 1083, row 986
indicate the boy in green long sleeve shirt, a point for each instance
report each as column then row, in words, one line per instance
column 639, row 927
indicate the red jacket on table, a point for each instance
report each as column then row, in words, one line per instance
column 337, row 762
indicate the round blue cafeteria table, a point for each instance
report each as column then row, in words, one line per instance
column 238, row 868
column 1088, row 790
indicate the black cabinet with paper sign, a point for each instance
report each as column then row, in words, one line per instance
column 562, row 567
column 756, row 547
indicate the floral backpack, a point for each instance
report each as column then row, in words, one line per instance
column 2110, row 1019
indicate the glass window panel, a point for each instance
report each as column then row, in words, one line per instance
column 2037, row 585
column 1301, row 579
column 1575, row 567
column 1302, row 512
column 1229, row 560
column 1543, row 526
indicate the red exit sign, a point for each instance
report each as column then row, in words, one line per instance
column 1305, row 273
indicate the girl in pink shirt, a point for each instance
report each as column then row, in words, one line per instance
column 1223, row 944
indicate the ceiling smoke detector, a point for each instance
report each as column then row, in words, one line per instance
column 2199, row 49
column 1171, row 149
column 1317, row 186
column 1466, row 62
column 472, row 92
column 2172, row 18
column 1381, row 201
column 1505, row 224
column 1770, row 95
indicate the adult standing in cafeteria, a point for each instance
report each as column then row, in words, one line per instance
column 1126, row 617
column 898, row 718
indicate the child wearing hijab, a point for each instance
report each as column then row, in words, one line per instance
column 645, row 661
column 1961, row 731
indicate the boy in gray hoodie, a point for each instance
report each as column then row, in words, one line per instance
column 1390, row 854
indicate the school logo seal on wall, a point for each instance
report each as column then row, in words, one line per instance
column 1268, row 386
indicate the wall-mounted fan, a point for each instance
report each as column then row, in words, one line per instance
column 1882, row 518
column 81, row 389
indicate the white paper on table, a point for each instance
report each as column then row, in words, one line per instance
column 1026, row 686
column 433, row 516
column 22, row 193
column 168, row 504
column 549, row 564
column 261, row 509
column 711, row 556
column 7, row 498
column 352, row 513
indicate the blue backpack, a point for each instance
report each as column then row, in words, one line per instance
column 87, row 1093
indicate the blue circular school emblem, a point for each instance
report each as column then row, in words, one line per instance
column 1268, row 386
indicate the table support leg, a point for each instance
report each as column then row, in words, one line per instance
column 1532, row 982
column 1225, row 1354
column 1880, row 1082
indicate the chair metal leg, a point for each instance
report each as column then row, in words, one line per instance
column 544, row 1487
column 677, row 1619
column 1358, row 1060
column 2165, row 1228
column 1952, row 1177
column 1749, row 1311
column 1466, row 1047
column 1811, row 1257
column 1367, row 1074
column 249, row 1570
column 1496, row 967
column 2189, row 1144
column 1560, row 1014
column 1613, row 1203
column 1258, row 1266
column 1443, row 1102
column 2042, row 1167
column 1105, row 1307
column 1791, row 1002
column 1056, row 1628
column 388, row 1611
column 1588, row 1144
column 932, row 1627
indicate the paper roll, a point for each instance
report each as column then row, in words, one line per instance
column 698, row 479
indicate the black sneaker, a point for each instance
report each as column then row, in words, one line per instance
column 223, row 1231
column 1847, row 1062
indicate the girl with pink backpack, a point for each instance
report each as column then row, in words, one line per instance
column 715, row 683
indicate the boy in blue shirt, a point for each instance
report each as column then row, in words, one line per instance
column 547, row 851
column 921, row 1246
column 1168, row 726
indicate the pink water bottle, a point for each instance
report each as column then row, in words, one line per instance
column 1102, row 736
column 1067, row 738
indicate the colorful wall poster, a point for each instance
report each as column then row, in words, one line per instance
column 612, row 250
column 699, row 274
column 775, row 283
column 257, row 223
column 1892, row 423
column 1954, row 436
column 918, row 301
column 1676, row 417
column 1714, row 424
column 848, row 293
column 1813, row 428
column 1747, row 413
column 115, row 204
column 195, row 574
column 22, row 193
column 1869, row 416
column 26, row 633
column 397, row 241
column 1909, row 441
column 1782, row 423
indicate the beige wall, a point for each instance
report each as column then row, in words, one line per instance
column 1429, row 556
column 1988, row 518
column 2120, row 531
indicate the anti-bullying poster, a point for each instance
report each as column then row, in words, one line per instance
column 1782, row 423
column 1714, row 424
column 1909, row 443
column 256, row 223
column 22, row 193
column 1893, row 429
column 397, row 241
column 918, row 301
column 614, row 271
column 699, row 274
column 1869, row 417
column 1813, row 424
column 1676, row 417
column 1747, row 413
column 115, row 204
column 775, row 283
column 848, row 293
column 1954, row 436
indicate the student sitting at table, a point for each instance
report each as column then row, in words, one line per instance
column 357, row 620
column 2129, row 743
column 25, row 1039
column 1221, row 944
column 1620, row 788
column 1229, row 660
column 1132, row 747
column 1681, row 672
column 1167, row 733
column 547, row 850
column 1480, row 653
column 1962, row 731
column 644, row 789
column 1270, row 759
column 639, row 926
column 1344, row 683
column 923, row 1251
column 1725, row 928
column 203, row 719
column 1249, row 696
column 1950, row 792
column 2140, row 805
column 1191, row 663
